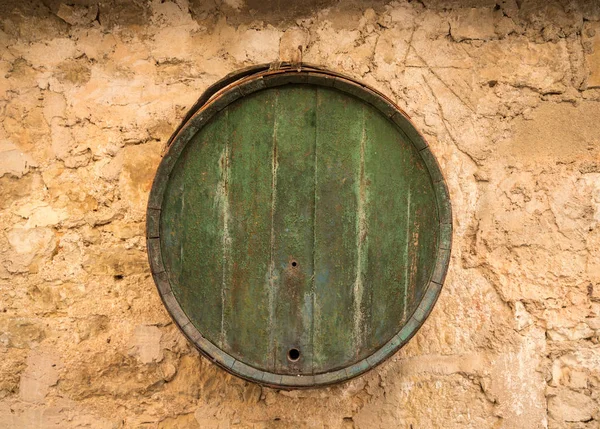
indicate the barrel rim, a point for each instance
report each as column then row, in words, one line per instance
column 215, row 99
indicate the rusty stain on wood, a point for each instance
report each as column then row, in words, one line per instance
column 299, row 228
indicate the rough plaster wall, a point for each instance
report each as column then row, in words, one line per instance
column 508, row 94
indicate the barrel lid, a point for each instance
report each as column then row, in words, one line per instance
column 298, row 227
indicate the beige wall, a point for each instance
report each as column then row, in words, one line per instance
column 508, row 96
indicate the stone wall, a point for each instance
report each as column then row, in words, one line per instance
column 508, row 94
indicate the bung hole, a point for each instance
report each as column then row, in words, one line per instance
column 294, row 355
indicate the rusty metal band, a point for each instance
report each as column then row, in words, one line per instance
column 215, row 99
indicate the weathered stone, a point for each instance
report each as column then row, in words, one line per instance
column 12, row 363
column 183, row 421
column 578, row 332
column 94, row 43
column 253, row 46
column 31, row 246
column 21, row 333
column 169, row 371
column 40, row 214
column 565, row 21
column 116, row 13
column 391, row 52
column 191, row 381
column 139, row 167
column 42, row 372
column 75, row 72
column 125, row 230
column 55, row 415
column 76, row 14
column 47, row 54
column 292, row 44
column 14, row 189
column 564, row 132
column 571, row 406
column 524, row 64
column 146, row 344
column 12, row 161
column 91, row 326
column 591, row 37
column 578, row 380
column 115, row 262
column 472, row 24
column 112, row 374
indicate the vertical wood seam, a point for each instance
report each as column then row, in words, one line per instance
column 314, row 267
column 408, row 266
column 361, row 236
column 183, row 239
column 226, row 242
column 272, row 352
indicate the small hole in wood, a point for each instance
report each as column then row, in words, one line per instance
column 294, row 263
column 294, row 355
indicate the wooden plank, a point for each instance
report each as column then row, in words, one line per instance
column 388, row 277
column 292, row 223
column 362, row 293
column 426, row 232
column 400, row 227
column 338, row 139
column 191, row 230
column 249, row 189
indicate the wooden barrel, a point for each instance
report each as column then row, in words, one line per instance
column 298, row 227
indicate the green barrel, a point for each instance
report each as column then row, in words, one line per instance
column 298, row 227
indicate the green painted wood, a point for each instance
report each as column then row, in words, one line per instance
column 425, row 233
column 292, row 228
column 401, row 204
column 191, row 229
column 389, row 170
column 339, row 134
column 248, row 242
column 299, row 216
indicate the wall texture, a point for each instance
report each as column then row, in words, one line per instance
column 508, row 94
